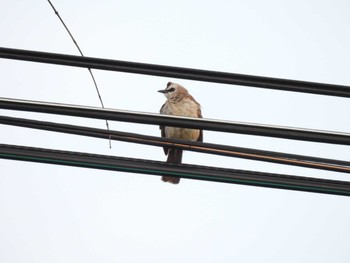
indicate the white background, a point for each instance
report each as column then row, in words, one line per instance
column 62, row 214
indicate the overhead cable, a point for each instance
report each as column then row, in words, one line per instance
column 209, row 148
column 177, row 72
column 141, row 166
column 167, row 120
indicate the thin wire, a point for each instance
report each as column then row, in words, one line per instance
column 81, row 53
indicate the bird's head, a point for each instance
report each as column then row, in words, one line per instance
column 173, row 89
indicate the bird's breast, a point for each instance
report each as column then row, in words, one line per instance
column 186, row 108
column 182, row 133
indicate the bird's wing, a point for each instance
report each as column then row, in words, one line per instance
column 199, row 115
column 162, row 130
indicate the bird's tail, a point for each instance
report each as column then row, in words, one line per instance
column 174, row 156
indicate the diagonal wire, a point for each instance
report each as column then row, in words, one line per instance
column 81, row 53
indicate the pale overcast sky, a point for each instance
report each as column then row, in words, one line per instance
column 64, row 214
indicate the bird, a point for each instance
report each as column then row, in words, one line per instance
column 179, row 103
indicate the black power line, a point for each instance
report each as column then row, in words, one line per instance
column 214, row 174
column 224, row 150
column 167, row 120
column 177, row 72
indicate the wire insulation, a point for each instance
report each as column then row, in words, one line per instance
column 176, row 121
column 271, row 180
column 178, row 72
column 209, row 148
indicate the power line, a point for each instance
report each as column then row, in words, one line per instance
column 214, row 174
column 194, row 74
column 253, row 154
column 178, row 72
column 167, row 120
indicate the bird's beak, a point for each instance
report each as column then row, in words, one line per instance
column 162, row 91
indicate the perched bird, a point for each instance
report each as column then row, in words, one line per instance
column 180, row 103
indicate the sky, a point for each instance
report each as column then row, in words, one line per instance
column 64, row 214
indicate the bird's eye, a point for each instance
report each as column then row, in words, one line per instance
column 171, row 89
